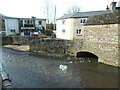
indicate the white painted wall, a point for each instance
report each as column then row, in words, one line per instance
column 11, row 24
column 68, row 26
column 44, row 23
column 119, row 4
column 37, row 23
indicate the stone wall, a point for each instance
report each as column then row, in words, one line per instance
column 59, row 48
column 18, row 40
column 119, row 43
column 6, row 40
column 101, row 40
column 53, row 47
column 77, row 25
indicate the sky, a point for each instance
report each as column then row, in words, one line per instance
column 28, row 8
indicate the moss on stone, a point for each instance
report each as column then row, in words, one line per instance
column 111, row 18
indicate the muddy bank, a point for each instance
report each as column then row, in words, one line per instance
column 18, row 47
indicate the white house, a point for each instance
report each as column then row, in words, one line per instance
column 70, row 26
column 11, row 26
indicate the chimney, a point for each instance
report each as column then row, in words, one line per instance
column 33, row 17
column 113, row 6
column 107, row 8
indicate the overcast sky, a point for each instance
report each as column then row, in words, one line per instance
column 28, row 8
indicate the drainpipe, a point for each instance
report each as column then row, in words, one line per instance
column 6, row 82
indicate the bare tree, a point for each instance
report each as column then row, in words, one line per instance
column 49, row 10
column 73, row 9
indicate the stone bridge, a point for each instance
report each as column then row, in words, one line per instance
column 101, row 40
column 105, row 55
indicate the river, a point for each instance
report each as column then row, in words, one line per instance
column 31, row 71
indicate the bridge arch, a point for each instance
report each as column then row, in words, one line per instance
column 85, row 54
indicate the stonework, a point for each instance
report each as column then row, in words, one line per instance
column 101, row 40
column 77, row 25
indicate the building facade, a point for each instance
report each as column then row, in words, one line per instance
column 2, row 24
column 23, row 26
column 71, row 26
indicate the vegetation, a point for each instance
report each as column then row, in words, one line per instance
column 43, row 30
column 111, row 18
column 51, row 26
column 17, row 34
column 73, row 9
column 49, row 33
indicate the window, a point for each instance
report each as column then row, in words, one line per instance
column 63, row 21
column 79, row 32
column 63, row 31
column 31, row 22
column 21, row 23
column 82, row 20
column 12, row 30
column 40, row 22
column 27, row 21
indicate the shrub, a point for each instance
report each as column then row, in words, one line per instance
column 49, row 33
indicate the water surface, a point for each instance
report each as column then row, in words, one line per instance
column 32, row 71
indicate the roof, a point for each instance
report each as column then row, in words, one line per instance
column 84, row 14
column 118, row 8
column 6, row 17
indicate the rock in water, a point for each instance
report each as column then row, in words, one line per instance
column 70, row 61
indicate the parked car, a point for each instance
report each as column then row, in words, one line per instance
column 39, row 34
column 2, row 32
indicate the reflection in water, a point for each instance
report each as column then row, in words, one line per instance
column 62, row 67
column 30, row 71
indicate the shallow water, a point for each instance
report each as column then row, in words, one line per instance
column 32, row 71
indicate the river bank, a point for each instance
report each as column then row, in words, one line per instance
column 26, row 48
column 106, row 54
column 18, row 47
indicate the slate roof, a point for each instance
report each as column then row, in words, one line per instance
column 84, row 14
column 23, row 18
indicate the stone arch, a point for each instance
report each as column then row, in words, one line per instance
column 86, row 54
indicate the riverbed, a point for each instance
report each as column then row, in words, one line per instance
column 32, row 71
